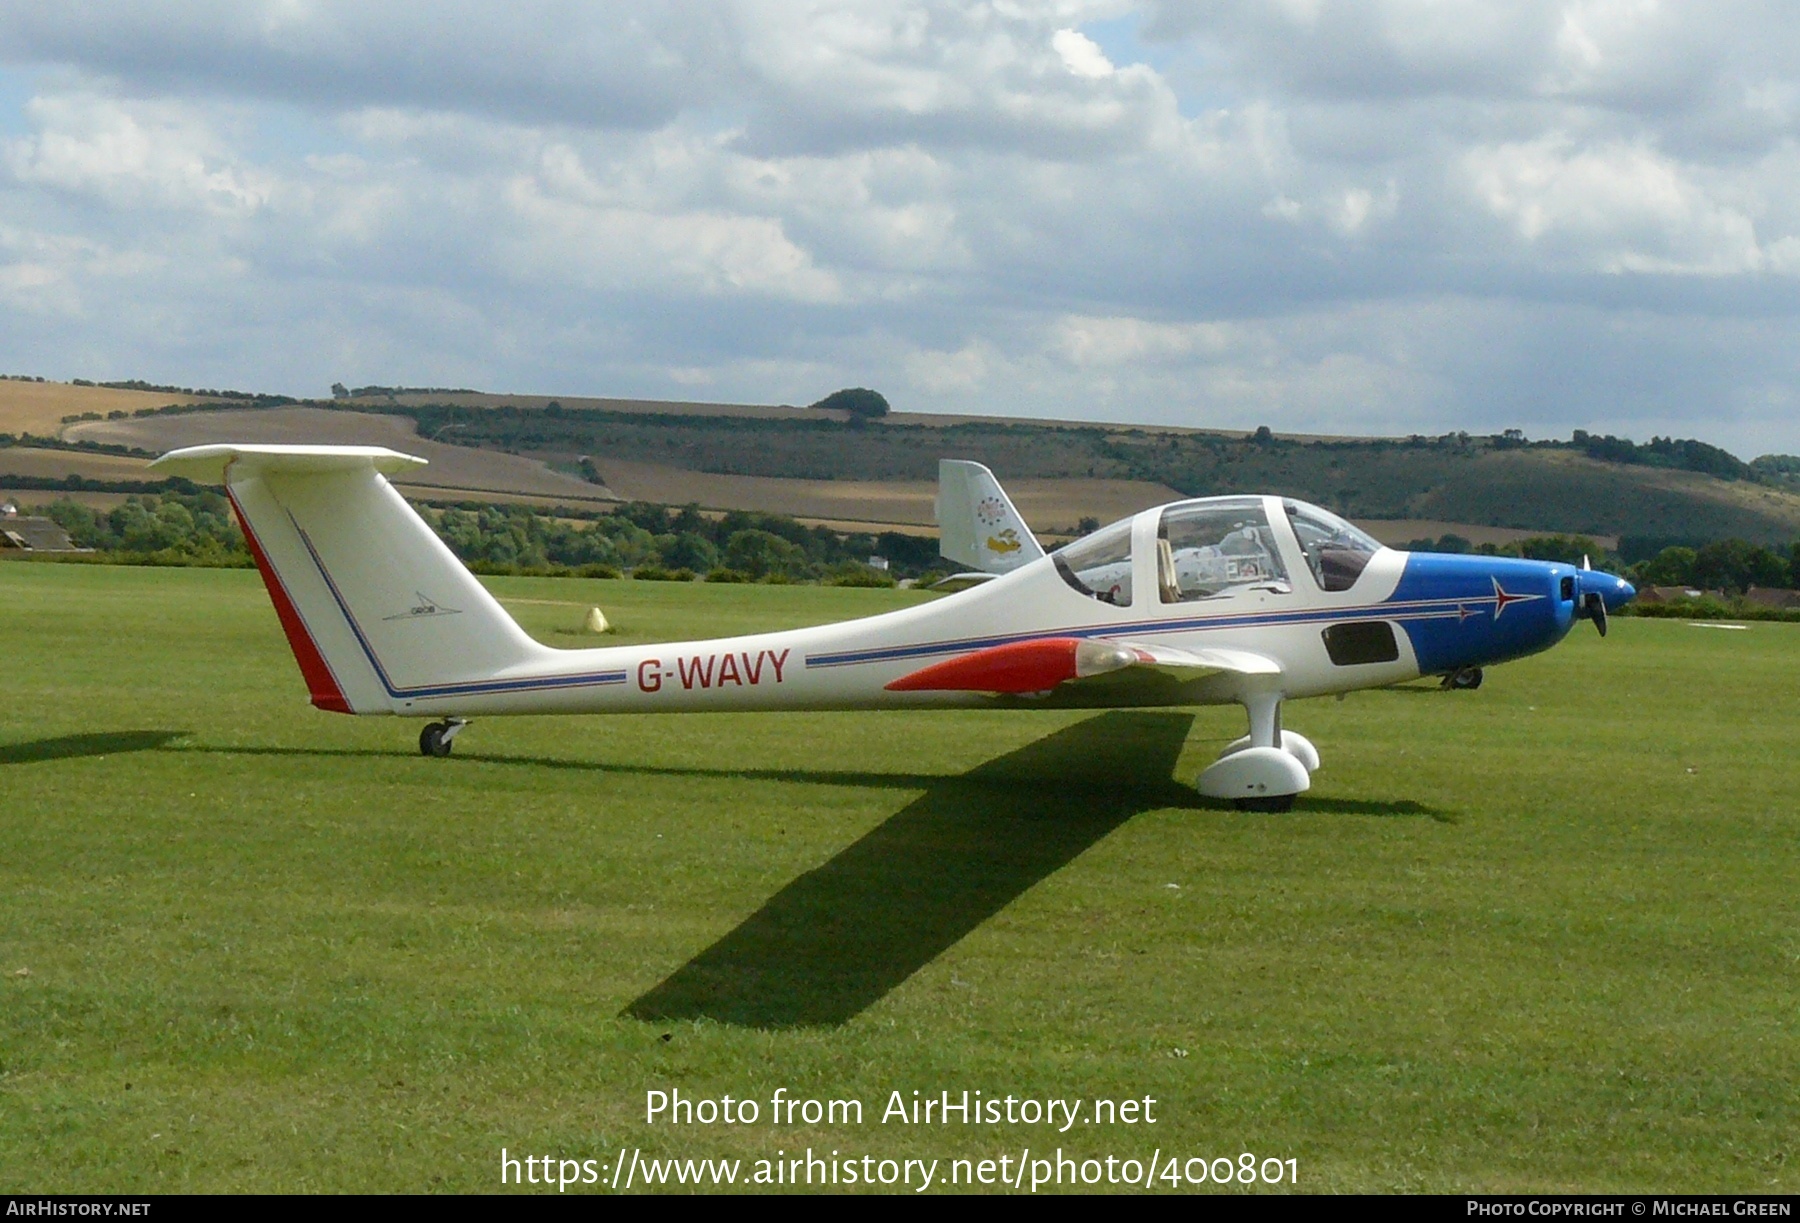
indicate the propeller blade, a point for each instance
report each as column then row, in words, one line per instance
column 1595, row 609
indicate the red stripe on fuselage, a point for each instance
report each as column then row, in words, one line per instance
column 320, row 682
column 1022, row 666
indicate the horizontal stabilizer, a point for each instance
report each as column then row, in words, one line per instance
column 1046, row 663
column 960, row 581
column 207, row 464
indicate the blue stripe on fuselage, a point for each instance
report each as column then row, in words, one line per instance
column 1514, row 608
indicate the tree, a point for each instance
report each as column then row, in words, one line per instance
column 689, row 550
column 690, row 519
column 760, row 553
column 1732, row 564
column 1569, row 549
column 646, row 514
column 339, row 391
column 1768, row 567
column 1673, row 566
column 859, row 401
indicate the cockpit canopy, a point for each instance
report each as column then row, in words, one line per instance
column 1336, row 552
column 1205, row 548
column 1099, row 565
column 1218, row 546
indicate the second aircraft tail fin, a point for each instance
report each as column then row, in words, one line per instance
column 977, row 523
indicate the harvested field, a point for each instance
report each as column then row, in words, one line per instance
column 32, row 498
column 457, row 468
column 38, row 407
column 442, row 496
column 765, row 411
column 848, row 526
column 55, row 464
column 668, row 407
column 1053, row 507
column 1045, row 503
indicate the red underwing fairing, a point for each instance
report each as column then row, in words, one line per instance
column 1245, row 600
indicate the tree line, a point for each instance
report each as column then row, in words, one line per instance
column 195, row 526
column 186, row 524
column 1731, row 566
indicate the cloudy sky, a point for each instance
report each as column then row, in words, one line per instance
column 1342, row 216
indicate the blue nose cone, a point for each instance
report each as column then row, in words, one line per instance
column 1614, row 591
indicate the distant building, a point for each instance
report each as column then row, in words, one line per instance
column 1772, row 598
column 19, row 533
column 1667, row 594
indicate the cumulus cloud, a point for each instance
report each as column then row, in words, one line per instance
column 530, row 59
column 1387, row 215
column 1081, row 54
column 1614, row 208
column 657, row 253
column 132, row 155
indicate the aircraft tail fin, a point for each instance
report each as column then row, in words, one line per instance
column 378, row 610
column 977, row 524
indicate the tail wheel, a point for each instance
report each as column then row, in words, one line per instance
column 1465, row 680
column 434, row 740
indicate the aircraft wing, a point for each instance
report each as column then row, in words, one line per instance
column 1049, row 663
column 961, row 581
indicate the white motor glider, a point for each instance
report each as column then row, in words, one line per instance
column 1245, row 599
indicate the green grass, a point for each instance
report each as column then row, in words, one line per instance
column 1542, row 936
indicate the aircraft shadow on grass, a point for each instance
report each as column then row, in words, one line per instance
column 1169, row 793
column 841, row 937
column 99, row 743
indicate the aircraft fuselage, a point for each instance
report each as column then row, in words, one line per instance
column 1404, row 615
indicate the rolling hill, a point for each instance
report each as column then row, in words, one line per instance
column 828, row 467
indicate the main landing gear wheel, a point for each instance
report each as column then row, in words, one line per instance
column 1263, row 771
column 1466, row 680
column 1268, row 804
column 436, row 738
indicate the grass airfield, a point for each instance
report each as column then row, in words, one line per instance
column 1542, row 936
